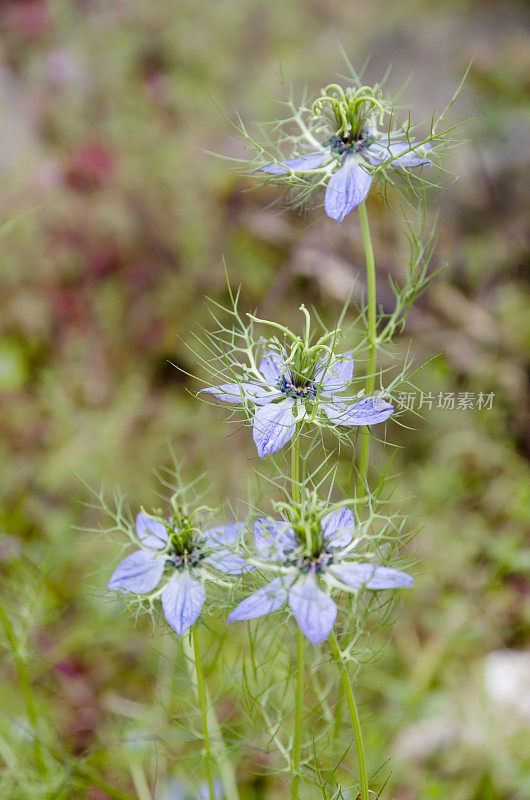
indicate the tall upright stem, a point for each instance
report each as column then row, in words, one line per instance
column 299, row 696
column 213, row 739
column 203, row 705
column 25, row 685
column 298, row 716
column 295, row 470
column 354, row 715
column 372, row 336
column 140, row 781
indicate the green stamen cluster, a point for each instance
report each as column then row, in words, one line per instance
column 351, row 110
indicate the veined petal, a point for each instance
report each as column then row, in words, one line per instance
column 314, row 610
column 368, row 411
column 274, row 538
column 377, row 153
column 334, row 376
column 266, row 600
column 225, row 560
column 338, row 527
column 239, row 392
column 182, row 601
column 311, row 161
column 151, row 532
column 138, row 573
column 371, row 577
column 274, row 425
column 272, row 368
column 410, row 159
column 346, row 189
column 224, row 534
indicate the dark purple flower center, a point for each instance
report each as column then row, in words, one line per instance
column 339, row 145
column 287, row 387
column 316, row 563
column 188, row 559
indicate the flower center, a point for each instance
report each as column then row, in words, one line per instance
column 315, row 563
column 182, row 538
column 338, row 145
column 287, row 387
column 186, row 559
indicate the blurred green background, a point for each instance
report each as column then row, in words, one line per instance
column 121, row 223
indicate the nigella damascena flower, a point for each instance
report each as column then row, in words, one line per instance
column 308, row 558
column 345, row 160
column 182, row 558
column 284, row 396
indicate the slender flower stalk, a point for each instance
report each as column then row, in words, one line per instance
column 203, row 703
column 354, row 714
column 299, row 716
column 371, row 335
column 213, row 738
column 25, row 685
column 140, row 781
column 299, row 706
column 295, row 470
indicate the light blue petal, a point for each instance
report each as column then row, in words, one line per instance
column 369, row 576
column 335, row 375
column 138, row 573
column 368, row 411
column 377, row 153
column 224, row 534
column 175, row 790
column 274, row 538
column 312, row 161
column 346, row 189
column 272, row 368
column 314, row 610
column 274, row 425
column 411, row 159
column 338, row 527
column 182, row 601
column 151, row 532
column 266, row 600
column 239, row 392
column 224, row 560
column 203, row 792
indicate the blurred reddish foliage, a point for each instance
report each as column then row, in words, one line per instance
column 89, row 167
column 26, row 17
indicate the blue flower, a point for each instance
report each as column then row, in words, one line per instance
column 301, row 574
column 283, row 399
column 351, row 180
column 184, row 557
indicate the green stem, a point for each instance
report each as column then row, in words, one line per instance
column 89, row 774
column 211, row 726
column 295, row 469
column 372, row 336
column 25, row 685
column 354, row 714
column 140, row 781
column 203, row 704
column 298, row 716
